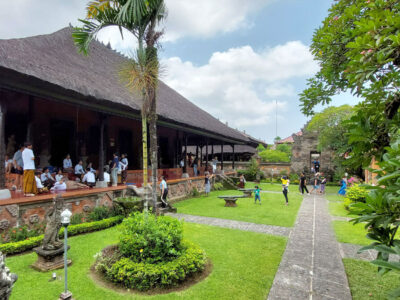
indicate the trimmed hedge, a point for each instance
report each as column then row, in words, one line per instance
column 18, row 247
column 145, row 276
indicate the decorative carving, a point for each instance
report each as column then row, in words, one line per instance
column 7, row 279
column 87, row 208
column 34, row 219
column 53, row 225
column 4, row 224
column 13, row 210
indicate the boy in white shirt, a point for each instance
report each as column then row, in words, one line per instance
column 89, row 178
column 59, row 186
column 106, row 176
column 38, row 183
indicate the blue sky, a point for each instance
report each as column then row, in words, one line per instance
column 233, row 58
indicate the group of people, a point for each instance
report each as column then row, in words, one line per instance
column 318, row 183
column 193, row 162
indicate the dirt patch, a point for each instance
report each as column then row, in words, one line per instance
column 99, row 279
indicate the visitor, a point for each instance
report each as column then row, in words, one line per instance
column 90, row 166
column 106, row 175
column 59, row 186
column 89, row 178
column 46, row 178
column 343, row 187
column 190, row 159
column 316, row 166
column 38, row 184
column 79, row 171
column 323, row 183
column 316, row 183
column 114, row 170
column 124, row 167
column 28, row 158
column 207, row 183
column 195, row 166
column 285, row 188
column 303, row 184
column 164, row 191
column 182, row 163
column 67, row 164
column 18, row 168
column 214, row 163
column 242, row 181
column 8, row 164
column 59, row 175
column 257, row 194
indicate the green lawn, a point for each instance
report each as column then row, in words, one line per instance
column 346, row 232
column 245, row 264
column 334, row 198
column 366, row 283
column 272, row 187
column 272, row 211
column 338, row 209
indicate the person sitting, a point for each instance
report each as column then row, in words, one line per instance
column 59, row 175
column 90, row 166
column 67, row 164
column 106, row 176
column 89, row 178
column 79, row 171
column 8, row 164
column 59, row 186
column 46, row 178
column 40, row 187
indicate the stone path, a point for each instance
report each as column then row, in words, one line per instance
column 311, row 267
column 261, row 228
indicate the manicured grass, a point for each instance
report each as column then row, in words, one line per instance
column 272, row 211
column 338, row 209
column 332, row 190
column 346, row 232
column 334, row 198
column 272, row 187
column 366, row 283
column 244, row 266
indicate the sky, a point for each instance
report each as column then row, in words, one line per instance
column 244, row 62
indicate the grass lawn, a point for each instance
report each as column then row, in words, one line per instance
column 366, row 283
column 272, row 187
column 338, row 209
column 334, row 198
column 272, row 211
column 346, row 232
column 244, row 266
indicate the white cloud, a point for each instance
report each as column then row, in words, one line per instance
column 240, row 85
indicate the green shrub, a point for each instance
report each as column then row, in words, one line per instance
column 252, row 171
column 293, row 177
column 99, row 213
column 128, row 205
column 195, row 192
column 29, row 243
column 77, row 219
column 151, row 239
column 356, row 193
column 218, row 186
column 274, row 156
column 144, row 276
column 17, row 234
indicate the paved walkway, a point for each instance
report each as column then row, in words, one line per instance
column 311, row 267
column 269, row 229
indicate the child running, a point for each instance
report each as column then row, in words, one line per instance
column 257, row 194
column 285, row 188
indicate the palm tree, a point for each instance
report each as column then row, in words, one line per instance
column 140, row 18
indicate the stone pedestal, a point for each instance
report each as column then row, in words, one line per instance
column 5, row 194
column 49, row 259
column 66, row 296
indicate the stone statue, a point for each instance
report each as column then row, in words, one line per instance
column 7, row 279
column 53, row 220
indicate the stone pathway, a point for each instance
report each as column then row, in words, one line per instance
column 311, row 267
column 261, row 228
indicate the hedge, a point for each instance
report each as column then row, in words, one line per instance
column 145, row 276
column 18, row 247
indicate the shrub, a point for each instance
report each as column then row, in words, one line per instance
column 194, row 192
column 99, row 213
column 293, row 177
column 21, row 233
column 151, row 239
column 356, row 193
column 128, row 205
column 218, row 186
column 274, row 156
column 252, row 171
column 144, row 276
column 77, row 219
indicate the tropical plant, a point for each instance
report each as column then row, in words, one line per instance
column 140, row 18
column 358, row 50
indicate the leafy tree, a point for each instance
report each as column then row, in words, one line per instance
column 140, row 18
column 274, row 156
column 358, row 49
column 277, row 139
column 260, row 148
column 286, row 148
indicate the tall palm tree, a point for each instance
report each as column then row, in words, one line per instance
column 140, row 18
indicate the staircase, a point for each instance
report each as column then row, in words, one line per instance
column 227, row 180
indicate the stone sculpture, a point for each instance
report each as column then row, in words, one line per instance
column 7, row 279
column 53, row 224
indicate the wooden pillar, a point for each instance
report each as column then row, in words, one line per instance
column 2, row 139
column 185, row 156
column 222, row 156
column 197, row 153
column 201, row 155
column 212, row 151
column 233, row 156
column 29, row 129
column 101, row 147
column 207, row 154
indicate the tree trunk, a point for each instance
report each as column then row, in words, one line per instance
column 2, row 140
column 144, row 156
column 153, row 153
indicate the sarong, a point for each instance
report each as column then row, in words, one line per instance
column 30, row 182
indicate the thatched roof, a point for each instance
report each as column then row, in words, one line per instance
column 54, row 60
column 239, row 149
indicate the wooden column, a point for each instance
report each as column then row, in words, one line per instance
column 222, row 156
column 233, row 156
column 2, row 139
column 101, row 147
column 212, row 151
column 197, row 154
column 207, row 154
column 29, row 129
column 201, row 155
column 185, row 156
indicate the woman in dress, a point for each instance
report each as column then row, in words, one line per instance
column 207, row 183
column 342, row 190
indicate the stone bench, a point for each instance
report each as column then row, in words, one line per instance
column 230, row 201
column 247, row 192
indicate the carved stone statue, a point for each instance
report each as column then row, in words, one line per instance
column 7, row 279
column 53, row 220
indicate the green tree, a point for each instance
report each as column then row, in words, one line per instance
column 140, row 18
column 286, row 148
column 260, row 148
column 358, row 49
column 274, row 156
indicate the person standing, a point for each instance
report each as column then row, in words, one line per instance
column 124, row 168
column 323, row 183
column 242, row 181
column 28, row 159
column 343, row 187
column 257, row 194
column 195, row 166
column 114, row 170
column 214, row 164
column 164, row 191
column 303, row 184
column 316, row 183
column 207, row 183
column 18, row 167
column 285, row 188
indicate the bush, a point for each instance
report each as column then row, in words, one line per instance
column 29, row 243
column 293, row 177
column 21, row 233
column 144, row 276
column 150, row 239
column 274, row 156
column 128, row 205
column 252, row 171
column 99, row 213
column 356, row 193
column 77, row 219
column 195, row 192
column 218, row 186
